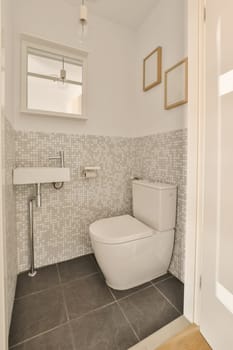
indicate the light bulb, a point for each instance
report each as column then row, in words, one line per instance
column 83, row 20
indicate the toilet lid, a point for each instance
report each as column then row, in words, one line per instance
column 119, row 229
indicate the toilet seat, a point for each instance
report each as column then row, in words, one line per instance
column 119, row 229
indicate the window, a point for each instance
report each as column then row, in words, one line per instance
column 53, row 79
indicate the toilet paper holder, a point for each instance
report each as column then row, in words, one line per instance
column 90, row 171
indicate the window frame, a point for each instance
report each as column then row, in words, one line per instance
column 28, row 42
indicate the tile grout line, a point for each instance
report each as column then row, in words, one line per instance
column 128, row 321
column 58, row 273
column 68, row 322
column 115, row 301
column 38, row 335
column 136, row 292
column 92, row 311
column 80, row 278
column 168, row 300
column 95, row 261
column 162, row 280
column 37, row 292
column 72, row 336
column 55, row 286
column 124, row 315
column 63, row 294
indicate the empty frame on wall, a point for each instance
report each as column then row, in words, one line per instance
column 152, row 69
column 176, row 85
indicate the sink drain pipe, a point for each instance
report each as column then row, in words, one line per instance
column 37, row 200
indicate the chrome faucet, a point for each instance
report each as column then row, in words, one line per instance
column 61, row 157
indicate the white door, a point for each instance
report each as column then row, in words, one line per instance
column 216, row 321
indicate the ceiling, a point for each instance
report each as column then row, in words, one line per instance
column 130, row 13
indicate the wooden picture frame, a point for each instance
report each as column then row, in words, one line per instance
column 152, row 69
column 176, row 85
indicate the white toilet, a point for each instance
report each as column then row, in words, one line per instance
column 133, row 250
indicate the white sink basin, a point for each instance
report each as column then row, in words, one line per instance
column 24, row 176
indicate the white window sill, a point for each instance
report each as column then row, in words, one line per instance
column 53, row 114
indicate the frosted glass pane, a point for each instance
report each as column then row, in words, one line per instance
column 52, row 67
column 74, row 72
column 44, row 66
column 47, row 95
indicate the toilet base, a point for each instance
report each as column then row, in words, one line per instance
column 128, row 265
column 115, row 287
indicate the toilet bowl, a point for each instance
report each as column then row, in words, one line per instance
column 133, row 250
column 129, row 252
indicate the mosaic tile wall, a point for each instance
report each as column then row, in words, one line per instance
column 10, row 215
column 62, row 223
column 163, row 157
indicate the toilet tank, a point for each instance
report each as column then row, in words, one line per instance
column 154, row 204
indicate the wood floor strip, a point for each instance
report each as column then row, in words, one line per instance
column 162, row 335
column 189, row 339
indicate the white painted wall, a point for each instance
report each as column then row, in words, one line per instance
column 116, row 103
column 167, row 27
column 8, row 59
column 111, row 67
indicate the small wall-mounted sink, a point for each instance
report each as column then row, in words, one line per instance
column 26, row 176
column 38, row 176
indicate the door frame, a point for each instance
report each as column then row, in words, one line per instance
column 3, row 293
column 3, row 296
column 195, row 169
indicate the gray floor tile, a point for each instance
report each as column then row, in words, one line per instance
column 96, row 262
column 58, row 339
column 37, row 313
column 86, row 294
column 173, row 289
column 45, row 278
column 104, row 329
column 148, row 311
column 119, row 294
column 85, row 291
column 77, row 268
